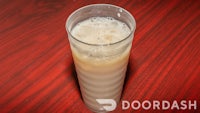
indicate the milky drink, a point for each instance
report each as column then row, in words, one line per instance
column 100, row 49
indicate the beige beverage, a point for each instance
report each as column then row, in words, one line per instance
column 100, row 77
column 100, row 37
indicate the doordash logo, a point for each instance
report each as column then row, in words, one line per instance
column 110, row 104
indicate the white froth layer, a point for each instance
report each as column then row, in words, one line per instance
column 100, row 30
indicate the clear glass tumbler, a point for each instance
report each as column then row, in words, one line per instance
column 100, row 68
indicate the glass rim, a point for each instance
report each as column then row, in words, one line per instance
column 90, row 44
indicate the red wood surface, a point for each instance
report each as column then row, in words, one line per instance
column 36, row 68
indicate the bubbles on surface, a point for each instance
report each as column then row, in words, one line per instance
column 110, row 18
column 101, row 30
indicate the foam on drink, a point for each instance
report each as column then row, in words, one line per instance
column 100, row 72
column 100, row 30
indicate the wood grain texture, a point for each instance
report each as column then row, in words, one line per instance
column 36, row 68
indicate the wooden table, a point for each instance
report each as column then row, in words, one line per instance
column 37, row 72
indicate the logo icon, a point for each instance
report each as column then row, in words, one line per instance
column 108, row 104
